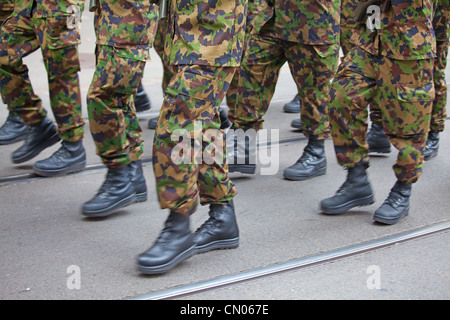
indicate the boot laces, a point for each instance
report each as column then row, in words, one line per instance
column 62, row 153
column 107, row 186
column 306, row 157
column 211, row 223
column 343, row 188
column 394, row 199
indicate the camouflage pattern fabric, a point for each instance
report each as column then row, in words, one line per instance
column 312, row 58
column 406, row 32
column 404, row 91
column 125, row 32
column 6, row 8
column 312, row 68
column 20, row 37
column 348, row 23
column 191, row 104
column 206, row 33
column 396, row 72
column 158, row 45
column 204, row 46
column 441, row 20
column 48, row 8
column 303, row 21
column 112, row 116
column 441, row 25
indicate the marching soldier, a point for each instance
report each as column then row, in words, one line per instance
column 392, row 62
column 125, row 32
column 306, row 35
column 53, row 27
column 205, row 63
column 13, row 129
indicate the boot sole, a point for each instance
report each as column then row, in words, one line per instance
column 349, row 205
column 391, row 221
column 107, row 211
column 431, row 155
column 299, row 177
column 53, row 173
column 218, row 245
column 53, row 139
column 243, row 168
column 163, row 268
column 140, row 197
column 380, row 150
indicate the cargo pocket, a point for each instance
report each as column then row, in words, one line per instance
column 194, row 93
column 412, row 113
column 119, row 71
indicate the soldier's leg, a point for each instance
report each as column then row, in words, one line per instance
column 313, row 68
column 258, row 76
column 352, row 91
column 407, row 94
column 168, row 70
column 112, row 119
column 59, row 45
column 183, row 174
column 257, row 79
column 13, row 129
column 439, row 113
column 190, row 107
column 18, row 41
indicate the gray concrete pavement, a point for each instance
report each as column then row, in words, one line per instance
column 43, row 235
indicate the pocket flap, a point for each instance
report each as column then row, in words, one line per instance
column 407, row 93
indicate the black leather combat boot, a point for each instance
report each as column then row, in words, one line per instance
column 293, row 106
column 138, row 181
column 297, row 124
column 356, row 191
column 312, row 163
column 241, row 150
column 42, row 135
column 396, row 206
column 13, row 130
column 432, row 145
column 220, row 231
column 377, row 140
column 174, row 244
column 70, row 157
column 224, row 122
column 141, row 100
column 152, row 123
column 116, row 192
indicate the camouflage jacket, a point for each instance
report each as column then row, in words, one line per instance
column 312, row 22
column 48, row 8
column 405, row 31
column 347, row 11
column 206, row 32
column 6, row 5
column 126, row 24
column 441, row 21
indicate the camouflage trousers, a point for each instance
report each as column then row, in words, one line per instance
column 311, row 66
column 59, row 45
column 405, row 92
column 190, row 111
column 112, row 115
column 439, row 113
